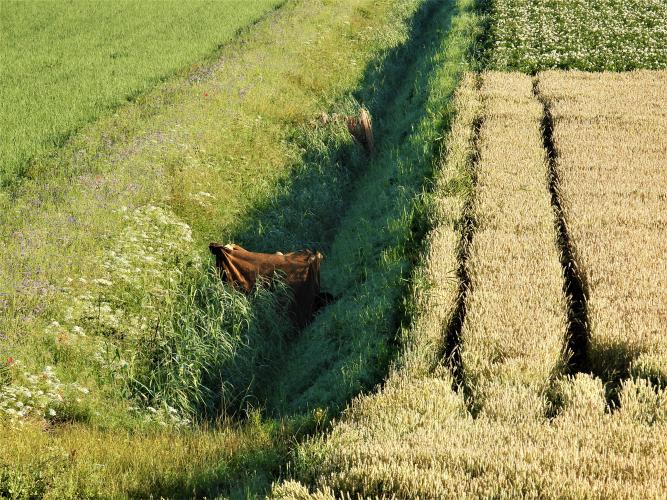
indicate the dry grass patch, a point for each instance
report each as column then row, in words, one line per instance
column 610, row 134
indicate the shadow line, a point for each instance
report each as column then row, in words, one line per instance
column 574, row 285
column 453, row 343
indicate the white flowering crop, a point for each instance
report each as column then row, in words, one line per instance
column 590, row 35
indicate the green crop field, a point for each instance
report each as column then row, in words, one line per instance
column 64, row 64
column 497, row 319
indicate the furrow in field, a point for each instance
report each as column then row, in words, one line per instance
column 573, row 286
column 440, row 301
column 610, row 134
column 463, row 155
column 512, row 337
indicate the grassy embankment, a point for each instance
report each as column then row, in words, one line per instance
column 371, row 258
column 391, row 442
column 418, row 437
column 109, row 310
column 65, row 65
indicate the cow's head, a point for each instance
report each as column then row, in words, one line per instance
column 218, row 249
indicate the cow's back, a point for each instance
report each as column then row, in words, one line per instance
column 300, row 271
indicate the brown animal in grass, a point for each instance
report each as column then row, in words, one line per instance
column 361, row 128
column 299, row 270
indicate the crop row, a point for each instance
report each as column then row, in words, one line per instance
column 515, row 309
column 610, row 136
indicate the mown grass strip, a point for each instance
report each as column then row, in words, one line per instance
column 609, row 133
column 514, row 329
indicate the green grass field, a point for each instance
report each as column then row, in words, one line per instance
column 472, row 349
column 64, row 64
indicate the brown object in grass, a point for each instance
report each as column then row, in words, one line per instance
column 361, row 128
column 299, row 270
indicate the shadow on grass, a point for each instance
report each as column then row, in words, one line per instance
column 367, row 215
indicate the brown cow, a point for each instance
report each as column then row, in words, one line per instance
column 299, row 270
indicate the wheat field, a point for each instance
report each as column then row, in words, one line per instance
column 417, row 437
column 610, row 134
column 514, row 325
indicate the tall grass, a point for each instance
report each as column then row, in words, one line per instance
column 209, row 350
column 102, row 264
column 106, row 251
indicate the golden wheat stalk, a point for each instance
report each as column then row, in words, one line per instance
column 416, row 437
